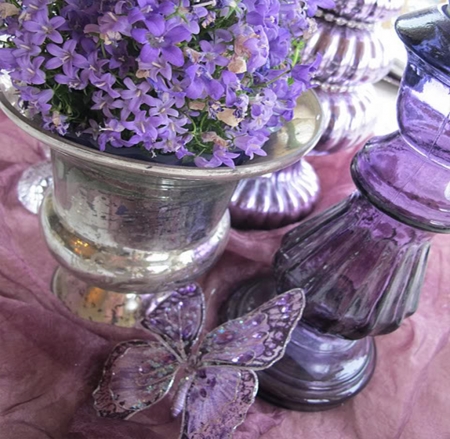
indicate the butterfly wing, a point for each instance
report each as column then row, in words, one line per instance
column 137, row 375
column 258, row 339
column 217, row 402
column 178, row 319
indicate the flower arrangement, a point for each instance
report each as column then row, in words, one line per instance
column 204, row 80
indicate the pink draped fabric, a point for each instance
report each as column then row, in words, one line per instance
column 51, row 361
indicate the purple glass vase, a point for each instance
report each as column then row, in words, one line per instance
column 362, row 262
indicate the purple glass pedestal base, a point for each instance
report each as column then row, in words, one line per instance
column 318, row 371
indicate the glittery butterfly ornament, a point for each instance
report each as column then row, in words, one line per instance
column 217, row 380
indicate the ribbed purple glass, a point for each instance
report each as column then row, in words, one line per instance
column 361, row 269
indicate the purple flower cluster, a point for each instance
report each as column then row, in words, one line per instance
column 203, row 79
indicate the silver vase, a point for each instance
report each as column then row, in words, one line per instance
column 123, row 229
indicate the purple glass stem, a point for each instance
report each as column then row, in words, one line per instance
column 275, row 200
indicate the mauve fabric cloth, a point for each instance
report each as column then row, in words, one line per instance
column 51, row 361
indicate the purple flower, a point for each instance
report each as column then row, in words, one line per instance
column 145, row 129
column 105, row 82
column 120, row 58
column 43, row 28
column 173, row 126
column 202, row 84
column 29, row 71
column 7, row 60
column 162, row 107
column 95, row 65
column 303, row 73
column 136, row 94
column 159, row 40
column 36, row 5
column 75, row 81
column 25, row 46
column 56, row 122
column 213, row 55
column 251, row 144
column 155, row 68
column 220, row 156
column 38, row 100
column 113, row 26
column 105, row 103
column 173, row 144
column 65, row 57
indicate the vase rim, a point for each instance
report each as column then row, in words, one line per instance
column 284, row 147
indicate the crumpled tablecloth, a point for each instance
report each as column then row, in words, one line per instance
column 51, row 361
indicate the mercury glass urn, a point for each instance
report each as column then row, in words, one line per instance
column 362, row 262
column 353, row 47
column 122, row 229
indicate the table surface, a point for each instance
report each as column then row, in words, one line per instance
column 50, row 361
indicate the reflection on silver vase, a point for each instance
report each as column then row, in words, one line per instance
column 33, row 183
column 121, row 228
column 275, row 200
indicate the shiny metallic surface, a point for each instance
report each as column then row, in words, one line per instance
column 101, row 305
column 349, row 118
column 283, row 197
column 350, row 57
column 368, row 11
column 277, row 199
column 126, row 226
column 32, row 185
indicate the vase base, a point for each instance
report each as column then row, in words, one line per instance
column 318, row 371
column 275, row 200
column 140, row 269
column 100, row 305
column 32, row 185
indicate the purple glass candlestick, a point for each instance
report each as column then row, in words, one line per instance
column 362, row 262
column 318, row 371
column 361, row 269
